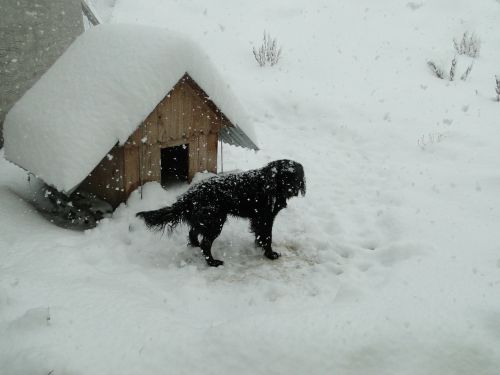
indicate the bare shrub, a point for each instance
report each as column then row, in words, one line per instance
column 469, row 45
column 497, row 88
column 426, row 141
column 466, row 73
column 440, row 73
column 269, row 53
column 453, row 68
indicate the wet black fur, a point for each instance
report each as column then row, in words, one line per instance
column 258, row 195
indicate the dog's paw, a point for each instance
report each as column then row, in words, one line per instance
column 214, row 262
column 272, row 254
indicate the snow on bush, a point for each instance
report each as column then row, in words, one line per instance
column 269, row 53
column 497, row 88
column 440, row 73
column 469, row 45
column 425, row 141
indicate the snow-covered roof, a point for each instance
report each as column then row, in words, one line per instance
column 98, row 92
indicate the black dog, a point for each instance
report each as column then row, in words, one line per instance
column 257, row 194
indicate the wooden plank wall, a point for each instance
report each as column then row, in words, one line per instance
column 182, row 117
column 203, row 154
column 142, row 155
column 106, row 180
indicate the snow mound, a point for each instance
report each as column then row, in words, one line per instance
column 96, row 95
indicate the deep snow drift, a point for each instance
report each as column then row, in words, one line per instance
column 390, row 264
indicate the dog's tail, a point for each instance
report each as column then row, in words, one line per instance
column 168, row 217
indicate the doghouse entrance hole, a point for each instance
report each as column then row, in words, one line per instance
column 174, row 164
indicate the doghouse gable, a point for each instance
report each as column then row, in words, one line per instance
column 186, row 116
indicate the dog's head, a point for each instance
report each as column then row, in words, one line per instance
column 289, row 176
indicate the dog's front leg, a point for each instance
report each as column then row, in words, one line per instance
column 269, row 252
column 263, row 229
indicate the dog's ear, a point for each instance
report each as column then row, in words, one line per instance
column 271, row 179
column 290, row 178
column 301, row 180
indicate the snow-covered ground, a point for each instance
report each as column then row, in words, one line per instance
column 391, row 262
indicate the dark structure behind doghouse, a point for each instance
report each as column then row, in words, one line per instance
column 33, row 34
column 178, row 139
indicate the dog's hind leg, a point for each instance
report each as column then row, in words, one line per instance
column 193, row 238
column 206, row 247
column 210, row 230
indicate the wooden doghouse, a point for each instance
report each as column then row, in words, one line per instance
column 178, row 139
column 119, row 109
